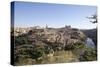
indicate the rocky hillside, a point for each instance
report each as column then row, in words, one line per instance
column 61, row 36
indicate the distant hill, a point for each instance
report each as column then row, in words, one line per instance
column 91, row 33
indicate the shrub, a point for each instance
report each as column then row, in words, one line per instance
column 90, row 54
column 77, row 45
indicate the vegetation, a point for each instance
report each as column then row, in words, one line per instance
column 93, row 18
column 90, row 54
column 22, row 39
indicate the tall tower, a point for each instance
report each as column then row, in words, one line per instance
column 46, row 26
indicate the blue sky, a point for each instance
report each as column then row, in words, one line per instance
column 54, row 15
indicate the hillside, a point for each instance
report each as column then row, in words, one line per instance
column 51, row 45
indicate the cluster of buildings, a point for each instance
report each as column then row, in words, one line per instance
column 19, row 31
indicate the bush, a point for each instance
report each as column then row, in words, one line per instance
column 90, row 54
column 22, row 39
column 77, row 45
